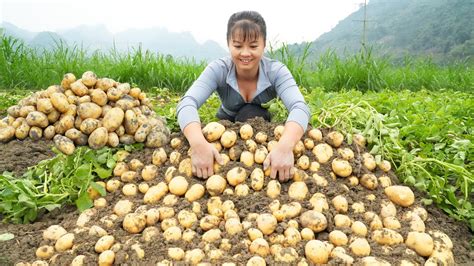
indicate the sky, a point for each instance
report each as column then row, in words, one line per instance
column 289, row 21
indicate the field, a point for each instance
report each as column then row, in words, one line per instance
column 417, row 119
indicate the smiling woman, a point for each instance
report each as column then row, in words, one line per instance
column 244, row 80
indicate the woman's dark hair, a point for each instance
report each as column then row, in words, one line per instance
column 248, row 25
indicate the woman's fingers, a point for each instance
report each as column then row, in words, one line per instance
column 199, row 172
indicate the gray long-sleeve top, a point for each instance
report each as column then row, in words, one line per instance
column 274, row 79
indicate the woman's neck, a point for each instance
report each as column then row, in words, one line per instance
column 247, row 75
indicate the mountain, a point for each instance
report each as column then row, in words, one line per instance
column 97, row 37
column 440, row 29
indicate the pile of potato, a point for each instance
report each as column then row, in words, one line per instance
column 299, row 226
column 87, row 111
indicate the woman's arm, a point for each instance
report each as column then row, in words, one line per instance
column 281, row 158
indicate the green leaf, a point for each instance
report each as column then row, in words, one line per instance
column 99, row 188
column 84, row 202
column 6, row 236
column 103, row 173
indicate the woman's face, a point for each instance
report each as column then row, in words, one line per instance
column 246, row 54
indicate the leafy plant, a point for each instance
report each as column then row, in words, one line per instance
column 53, row 183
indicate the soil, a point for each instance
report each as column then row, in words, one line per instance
column 17, row 155
column 21, row 154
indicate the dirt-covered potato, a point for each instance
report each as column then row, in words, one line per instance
column 341, row 167
column 195, row 192
column 113, row 119
column 246, row 132
column 313, row 220
column 323, row 152
column 60, row 102
column 64, row 144
column 387, row 237
column 315, row 134
column 317, row 251
column 155, row 193
column 335, row 138
column 360, row 247
column 45, row 252
column 89, row 110
column 22, row 130
column 157, row 138
column 369, row 181
column 401, row 195
column 273, row 189
column 89, row 78
column 340, row 204
column 37, row 119
column 266, row 223
column 98, row 138
column 7, row 133
column 134, row 222
column 79, row 88
column 215, row 185
column 298, row 190
column 236, row 176
column 35, row 133
column 213, row 131
column 228, row 138
column 65, row 242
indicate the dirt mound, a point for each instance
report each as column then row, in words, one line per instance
column 29, row 237
column 18, row 155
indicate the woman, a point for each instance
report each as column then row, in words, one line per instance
column 244, row 80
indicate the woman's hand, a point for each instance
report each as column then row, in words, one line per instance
column 281, row 161
column 202, row 159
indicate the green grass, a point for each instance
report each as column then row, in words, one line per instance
column 26, row 68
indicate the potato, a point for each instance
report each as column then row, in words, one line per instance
column 7, row 133
column 247, row 158
column 113, row 119
column 298, row 190
column 88, row 125
column 384, row 165
column 260, row 155
column 44, row 106
column 317, row 251
column 89, row 78
column 369, row 161
column 65, row 242
column 313, row 220
column 315, row 134
column 323, row 152
column 260, row 247
column 233, row 226
column 22, row 131
column 360, row 247
column 261, row 137
column 387, row 237
column 236, row 176
column 303, row 162
column 338, row 238
column 342, row 221
column 242, row 190
column 37, row 119
column 369, row 181
column 273, row 189
column 319, row 202
column 173, row 233
column 178, row 185
column 292, row 236
column 104, row 84
column 213, row 131
column 157, row 138
column 104, row 243
column 155, row 193
column 142, row 132
column 228, row 138
column 106, row 258
column 64, row 144
column 257, row 179
column 98, row 97
column 341, row 167
column 391, row 223
column 54, row 232
column 176, row 254
column 421, row 243
column 130, row 190
column 400, row 195
column 215, row 185
column 246, row 132
column 358, row 228
column 134, row 222
column 299, row 149
column 340, row 204
column 266, row 223
column 45, row 252
column 159, row 156
column 60, row 102
column 98, row 138
column 194, row 256
column 195, row 192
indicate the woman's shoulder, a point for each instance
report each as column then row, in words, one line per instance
column 273, row 67
column 224, row 63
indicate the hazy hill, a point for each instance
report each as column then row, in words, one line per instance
column 441, row 29
column 92, row 38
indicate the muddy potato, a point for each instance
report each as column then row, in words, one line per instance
column 303, row 162
column 341, row 167
column 60, row 102
column 246, row 132
column 260, row 155
column 215, row 185
column 64, row 144
column 228, row 138
column 369, row 181
column 22, row 131
column 7, row 133
column 323, row 152
column 401, row 195
column 130, row 190
column 113, row 139
column 65, row 242
column 307, row 234
column 149, row 172
column 37, row 119
column 247, row 158
column 14, row 111
column 142, row 132
column 242, row 190
column 65, row 123
column 45, row 252
column 313, row 220
column 266, row 223
column 358, row 228
column 195, row 192
column 157, row 138
column 185, row 167
column 131, row 122
column 369, row 161
column 387, row 237
column 106, row 258
column 315, row 134
column 54, row 232
column 113, row 119
column 298, row 190
column 360, row 247
column 44, row 105
column 342, row 221
column 251, row 145
column 89, row 78
column 257, row 179
column 340, row 204
column 236, row 176
column 79, row 88
column 338, row 238
column 98, row 97
column 155, row 193
column 176, row 254
column 159, row 156
column 98, row 138
column 273, row 189
column 260, row 247
column 84, row 99
column 73, row 134
column 335, row 139
column 113, row 185
column 89, row 125
column 104, row 243
column 35, row 133
column 213, row 131
column 104, row 84
column 261, row 137
column 317, row 251
column 134, row 222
